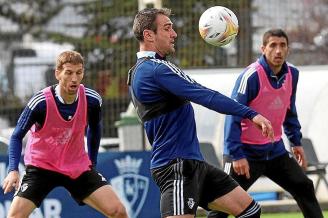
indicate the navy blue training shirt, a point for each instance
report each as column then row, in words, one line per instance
column 245, row 90
column 173, row 134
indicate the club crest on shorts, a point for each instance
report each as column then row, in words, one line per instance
column 131, row 187
column 191, row 203
column 24, row 187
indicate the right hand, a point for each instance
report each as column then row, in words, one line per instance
column 11, row 181
column 265, row 125
column 241, row 167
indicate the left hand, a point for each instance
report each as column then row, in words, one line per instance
column 300, row 156
column 265, row 126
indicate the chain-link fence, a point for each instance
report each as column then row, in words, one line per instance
column 32, row 33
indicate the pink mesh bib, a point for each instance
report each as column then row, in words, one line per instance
column 59, row 144
column 271, row 103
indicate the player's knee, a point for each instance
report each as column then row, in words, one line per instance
column 252, row 211
column 18, row 213
column 118, row 212
column 308, row 183
column 305, row 184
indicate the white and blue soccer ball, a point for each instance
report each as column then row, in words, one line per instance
column 218, row 26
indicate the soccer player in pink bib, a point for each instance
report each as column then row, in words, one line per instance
column 55, row 155
column 269, row 86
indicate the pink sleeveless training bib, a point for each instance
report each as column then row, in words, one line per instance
column 59, row 144
column 271, row 103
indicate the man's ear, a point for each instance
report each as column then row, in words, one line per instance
column 148, row 35
column 262, row 49
column 57, row 72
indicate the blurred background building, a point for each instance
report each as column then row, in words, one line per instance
column 33, row 33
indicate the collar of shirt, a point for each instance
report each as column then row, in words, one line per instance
column 150, row 54
column 281, row 75
column 57, row 92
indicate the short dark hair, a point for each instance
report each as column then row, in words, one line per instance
column 273, row 32
column 145, row 20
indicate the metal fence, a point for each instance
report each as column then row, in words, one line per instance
column 32, row 33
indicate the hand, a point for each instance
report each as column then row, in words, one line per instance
column 241, row 167
column 300, row 156
column 11, row 181
column 265, row 125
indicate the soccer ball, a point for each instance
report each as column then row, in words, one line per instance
column 218, row 26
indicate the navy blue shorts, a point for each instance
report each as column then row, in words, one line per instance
column 37, row 183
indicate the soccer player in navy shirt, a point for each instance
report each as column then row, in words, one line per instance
column 161, row 93
column 55, row 153
column 269, row 86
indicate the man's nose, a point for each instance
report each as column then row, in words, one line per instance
column 74, row 77
column 278, row 49
column 174, row 34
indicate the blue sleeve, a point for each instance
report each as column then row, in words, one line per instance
column 177, row 82
column 292, row 126
column 94, row 129
column 15, row 148
column 25, row 122
column 93, row 141
column 245, row 90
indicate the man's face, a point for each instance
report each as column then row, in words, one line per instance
column 165, row 36
column 70, row 78
column 275, row 51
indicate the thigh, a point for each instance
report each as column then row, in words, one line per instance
column 179, row 185
column 225, row 193
column 105, row 200
column 234, row 202
column 36, row 184
column 21, row 207
column 216, row 184
column 286, row 172
column 83, row 186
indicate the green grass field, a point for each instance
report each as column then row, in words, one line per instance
column 287, row 215
column 284, row 215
